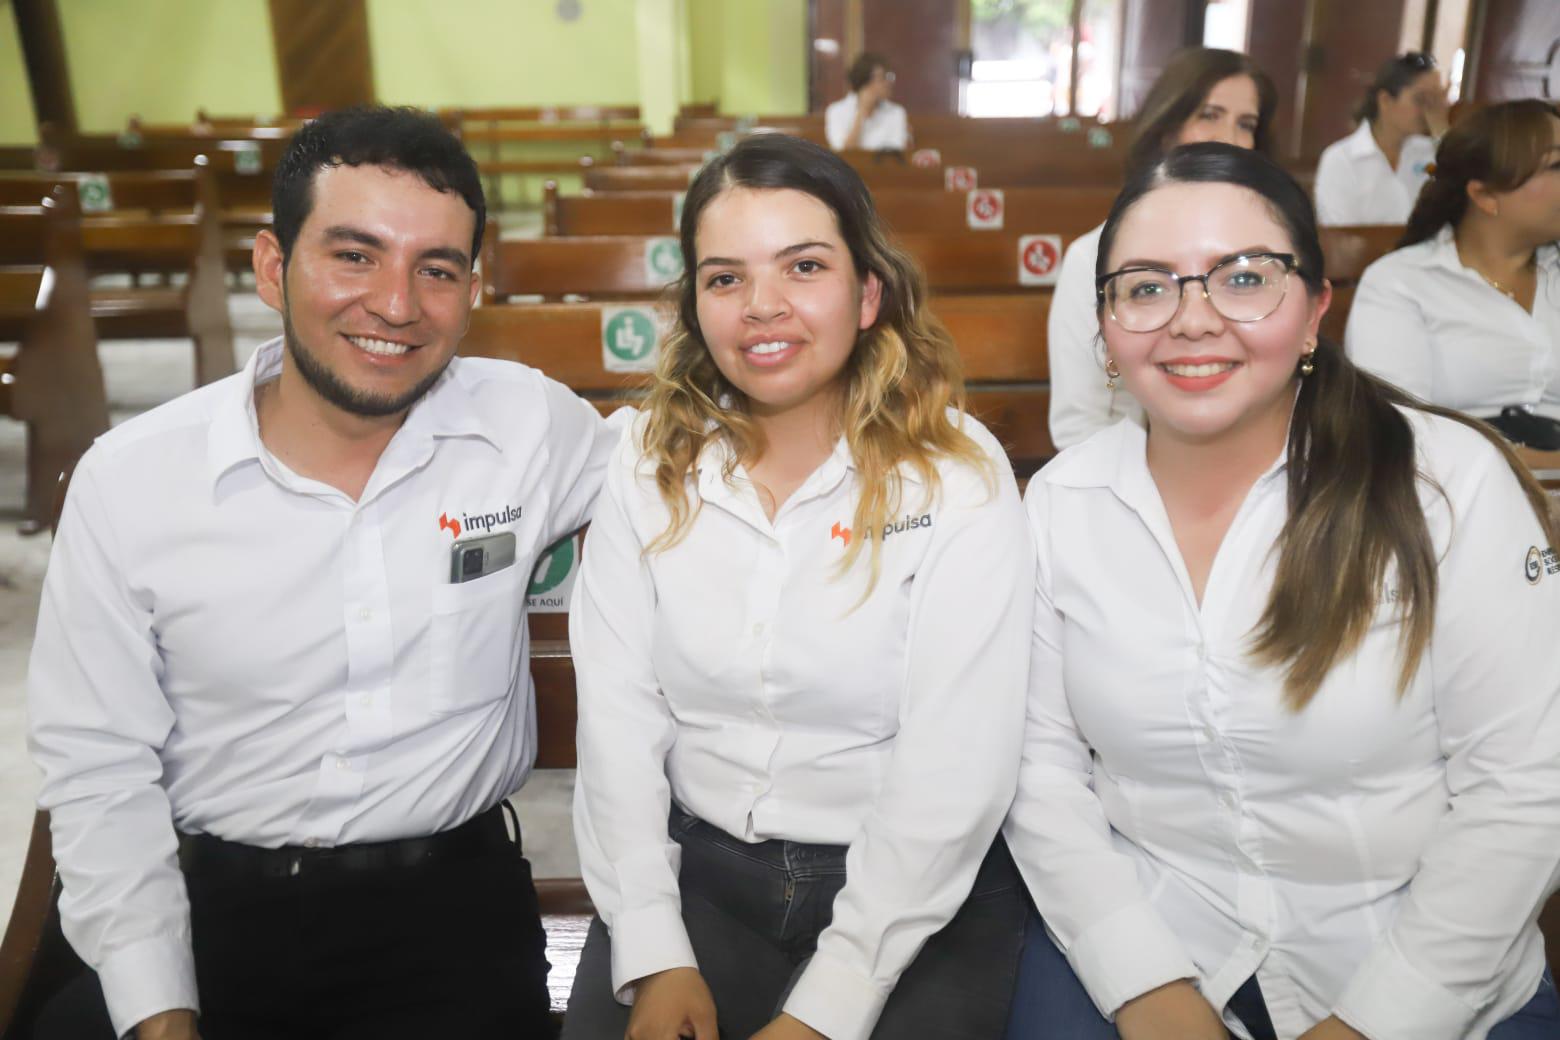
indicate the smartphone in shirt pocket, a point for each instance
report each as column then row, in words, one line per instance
column 474, row 632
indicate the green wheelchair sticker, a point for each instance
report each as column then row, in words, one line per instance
column 628, row 338
column 663, row 261
column 95, row 194
column 552, row 581
column 1099, row 137
column 246, row 159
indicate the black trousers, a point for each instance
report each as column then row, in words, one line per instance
column 451, row 947
column 754, row 913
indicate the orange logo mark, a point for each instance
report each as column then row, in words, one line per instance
column 446, row 524
column 842, row 533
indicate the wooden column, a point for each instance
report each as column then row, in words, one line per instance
column 322, row 54
column 43, row 51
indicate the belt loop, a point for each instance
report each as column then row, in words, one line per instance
column 514, row 819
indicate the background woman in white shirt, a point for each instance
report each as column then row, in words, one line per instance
column 1466, row 312
column 1293, row 754
column 1373, row 175
column 1204, row 94
column 801, row 632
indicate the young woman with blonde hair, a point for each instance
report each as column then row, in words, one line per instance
column 801, row 642
column 1292, row 766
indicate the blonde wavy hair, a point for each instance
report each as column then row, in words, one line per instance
column 900, row 379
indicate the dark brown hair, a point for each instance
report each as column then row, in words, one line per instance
column 1501, row 145
column 1354, row 508
column 1393, row 75
column 861, row 70
column 1188, row 78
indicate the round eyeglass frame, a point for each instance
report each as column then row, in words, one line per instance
column 1291, row 266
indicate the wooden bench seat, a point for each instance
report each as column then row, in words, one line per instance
column 164, row 223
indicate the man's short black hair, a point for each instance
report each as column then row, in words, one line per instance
column 860, row 72
column 372, row 135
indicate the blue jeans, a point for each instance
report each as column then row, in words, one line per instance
column 753, row 914
column 1051, row 1004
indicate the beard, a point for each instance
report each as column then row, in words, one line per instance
column 336, row 391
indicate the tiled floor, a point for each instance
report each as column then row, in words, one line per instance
column 140, row 375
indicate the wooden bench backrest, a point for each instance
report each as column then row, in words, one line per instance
column 153, row 191
column 1347, row 251
column 615, row 267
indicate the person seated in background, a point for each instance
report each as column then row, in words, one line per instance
column 801, row 638
column 1204, row 94
column 1374, row 175
column 277, row 694
column 1292, row 767
column 866, row 118
column 1466, row 312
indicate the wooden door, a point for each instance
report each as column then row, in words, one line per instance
column 920, row 39
column 322, row 54
column 1346, row 42
column 1151, row 31
column 1517, row 50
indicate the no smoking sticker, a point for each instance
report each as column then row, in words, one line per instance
column 925, row 158
column 983, row 209
column 663, row 261
column 960, row 178
column 628, row 338
column 1039, row 259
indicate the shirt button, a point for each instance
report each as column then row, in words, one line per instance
column 310, row 843
column 758, row 628
column 342, row 763
column 1228, row 801
column 365, row 699
column 1202, row 652
column 1210, row 734
column 365, row 614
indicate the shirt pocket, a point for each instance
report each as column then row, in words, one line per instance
column 474, row 640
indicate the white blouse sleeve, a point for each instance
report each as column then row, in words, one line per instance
column 1387, row 334
column 1088, row 893
column 951, row 777
column 1080, row 404
column 625, row 730
column 1496, row 682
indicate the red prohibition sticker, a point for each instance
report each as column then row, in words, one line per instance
column 1039, row 259
column 925, row 158
column 983, row 209
column 960, row 178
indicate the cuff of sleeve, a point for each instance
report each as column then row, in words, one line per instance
column 645, row 941
column 1390, row 999
column 148, row 977
column 836, row 1000
column 1126, row 955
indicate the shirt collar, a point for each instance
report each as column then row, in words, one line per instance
column 1362, row 142
column 448, row 409
column 1443, row 253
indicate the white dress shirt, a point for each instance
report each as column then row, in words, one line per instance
column 1355, row 184
column 1379, row 857
column 1422, row 320
column 1080, row 403
column 229, row 648
column 887, row 127
column 740, row 674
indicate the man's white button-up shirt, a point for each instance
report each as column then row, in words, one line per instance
column 227, row 648
column 1374, row 856
column 887, row 127
column 1356, row 185
column 739, row 673
column 1437, row 329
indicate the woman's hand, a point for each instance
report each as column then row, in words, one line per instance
column 671, row 1004
column 787, row 1028
column 1332, row 1028
column 1176, row 1011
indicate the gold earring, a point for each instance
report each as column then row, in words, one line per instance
column 1307, row 360
column 1112, row 373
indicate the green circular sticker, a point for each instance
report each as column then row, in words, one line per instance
column 630, row 335
column 553, row 568
column 666, row 258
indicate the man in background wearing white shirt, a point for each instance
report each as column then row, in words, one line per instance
column 279, row 686
column 866, row 118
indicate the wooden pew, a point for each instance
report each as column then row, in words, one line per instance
column 54, row 383
column 486, row 131
column 1069, row 211
column 164, row 223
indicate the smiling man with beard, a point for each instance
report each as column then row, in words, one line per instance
column 276, row 699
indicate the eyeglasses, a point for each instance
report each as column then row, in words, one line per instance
column 1243, row 288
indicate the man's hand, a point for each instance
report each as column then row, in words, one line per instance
column 1176, row 1011
column 869, row 97
column 787, row 1028
column 1332, row 1028
column 168, row 1025
column 671, row 1004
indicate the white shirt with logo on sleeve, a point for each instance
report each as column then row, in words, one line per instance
column 887, row 128
column 1422, row 320
column 1374, row 856
column 1356, row 185
column 225, row 647
column 739, row 673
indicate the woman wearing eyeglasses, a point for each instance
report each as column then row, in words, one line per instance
column 1292, row 762
column 1466, row 312
column 1204, row 94
column 1373, row 175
